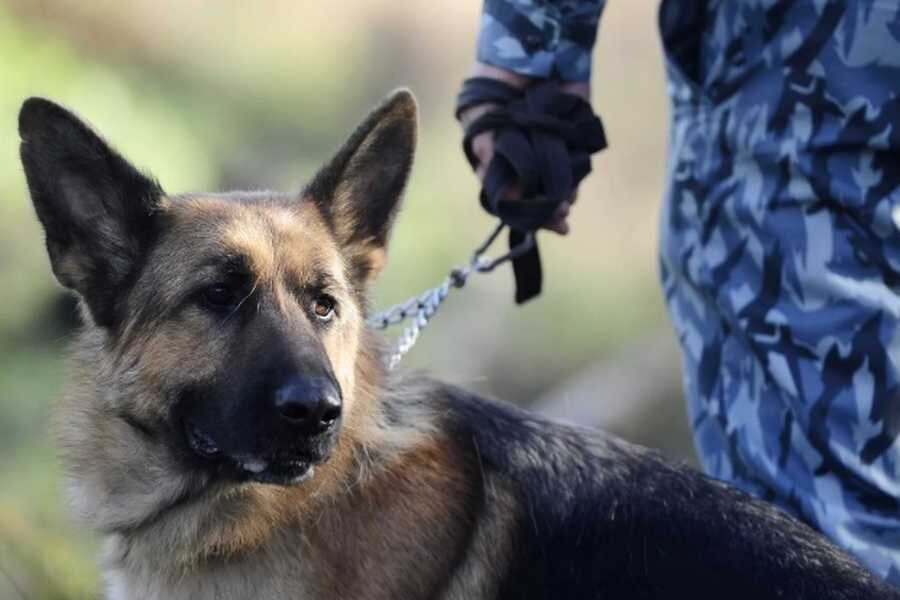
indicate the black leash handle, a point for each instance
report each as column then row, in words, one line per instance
column 543, row 141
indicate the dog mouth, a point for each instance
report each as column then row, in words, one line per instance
column 202, row 445
column 281, row 468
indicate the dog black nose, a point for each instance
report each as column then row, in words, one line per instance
column 313, row 402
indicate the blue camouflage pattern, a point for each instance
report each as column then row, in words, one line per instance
column 780, row 246
column 540, row 38
column 780, row 254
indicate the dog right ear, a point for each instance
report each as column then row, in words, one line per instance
column 358, row 192
column 95, row 207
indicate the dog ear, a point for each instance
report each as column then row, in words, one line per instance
column 358, row 192
column 95, row 207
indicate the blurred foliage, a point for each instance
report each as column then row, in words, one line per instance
column 241, row 95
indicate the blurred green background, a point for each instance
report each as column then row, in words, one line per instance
column 230, row 94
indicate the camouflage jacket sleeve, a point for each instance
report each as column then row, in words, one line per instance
column 540, row 38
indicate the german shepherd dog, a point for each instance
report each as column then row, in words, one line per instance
column 230, row 430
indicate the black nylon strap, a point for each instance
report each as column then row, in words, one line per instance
column 543, row 141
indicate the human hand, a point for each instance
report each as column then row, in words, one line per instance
column 483, row 144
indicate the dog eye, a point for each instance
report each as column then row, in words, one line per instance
column 323, row 306
column 219, row 296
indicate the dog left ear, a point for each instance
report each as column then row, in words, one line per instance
column 358, row 192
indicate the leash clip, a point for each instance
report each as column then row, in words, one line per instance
column 485, row 264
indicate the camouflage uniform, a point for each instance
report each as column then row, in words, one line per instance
column 540, row 38
column 780, row 248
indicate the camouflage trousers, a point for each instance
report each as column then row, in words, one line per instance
column 780, row 256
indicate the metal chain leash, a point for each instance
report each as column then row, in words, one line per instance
column 422, row 307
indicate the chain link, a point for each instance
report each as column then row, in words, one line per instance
column 422, row 307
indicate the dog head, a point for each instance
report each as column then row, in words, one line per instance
column 221, row 330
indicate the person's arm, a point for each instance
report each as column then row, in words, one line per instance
column 521, row 41
column 542, row 39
